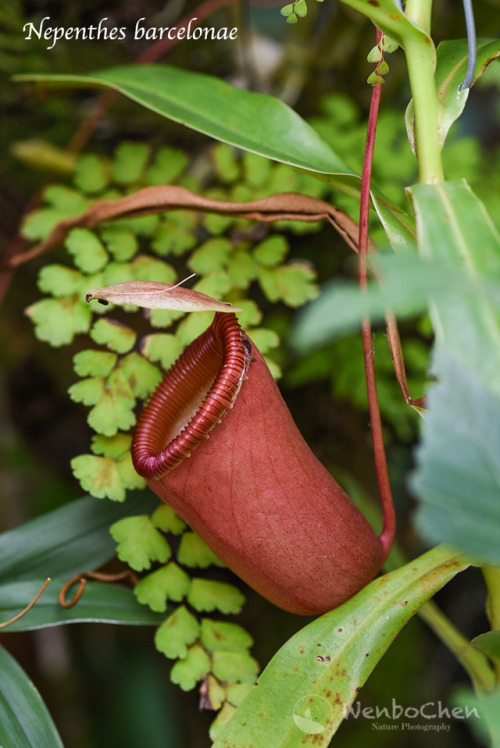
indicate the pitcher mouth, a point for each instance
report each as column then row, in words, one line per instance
column 192, row 398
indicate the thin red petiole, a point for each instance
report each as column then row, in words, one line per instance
column 389, row 517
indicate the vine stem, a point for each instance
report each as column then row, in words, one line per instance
column 389, row 517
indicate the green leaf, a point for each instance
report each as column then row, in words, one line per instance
column 303, row 675
column 114, row 410
column 486, row 725
column 301, row 8
column 100, row 603
column 24, row 718
column 139, row 542
column 241, row 269
column 287, row 10
column 39, row 223
column 65, row 541
column 234, row 667
column 194, row 552
column 111, row 446
column 451, row 66
column 165, row 519
column 272, row 251
column 65, row 198
column 213, row 255
column 94, row 363
column 115, row 335
column 162, row 347
column 224, row 636
column 87, row 391
column 258, row 122
column 192, row 326
column 226, row 164
column 176, row 633
column 146, row 268
column 187, row 672
column 293, row 284
column 457, row 478
column 99, row 476
column 489, row 643
column 116, row 272
column 168, row 583
column 120, row 241
column 57, row 321
column 129, row 162
column 91, row 174
column 142, row 376
column 265, row 340
column 168, row 165
column 206, row 595
column 128, row 475
column 59, row 280
column 171, row 238
column 88, row 252
column 453, row 227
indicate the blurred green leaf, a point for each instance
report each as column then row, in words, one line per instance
column 100, row 603
column 213, row 255
column 24, row 718
column 120, row 242
column 99, row 476
column 139, row 542
column 162, row 347
column 302, row 676
column 168, row 165
column 94, row 363
column 129, row 162
column 234, row 667
column 111, row 446
column 486, row 725
column 59, row 280
column 489, row 643
column 142, row 376
column 67, row 540
column 91, row 173
column 88, row 252
column 457, row 478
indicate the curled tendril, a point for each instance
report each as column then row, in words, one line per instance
column 82, row 578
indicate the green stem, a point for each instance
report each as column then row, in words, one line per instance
column 419, row 11
column 472, row 659
column 421, row 61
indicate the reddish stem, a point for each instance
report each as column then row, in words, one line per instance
column 389, row 517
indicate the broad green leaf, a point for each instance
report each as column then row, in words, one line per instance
column 99, row 476
column 117, row 337
column 165, row 519
column 168, row 165
column 489, row 643
column 100, row 603
column 87, row 250
column 91, row 173
column 67, row 540
column 176, row 633
column 142, row 376
column 319, row 683
column 57, row 321
column 255, row 122
column 194, row 552
column 213, row 255
column 457, row 479
column 120, row 241
column 234, row 667
column 94, row 363
column 206, row 595
column 224, row 636
column 168, row 583
column 59, row 280
column 187, row 672
column 129, row 162
column 162, row 347
column 453, row 227
column 24, row 718
column 147, row 268
column 451, row 66
column 139, row 542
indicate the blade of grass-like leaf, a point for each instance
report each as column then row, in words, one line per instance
column 458, row 475
column 306, row 690
column 100, row 603
column 252, row 121
column 24, row 719
column 68, row 540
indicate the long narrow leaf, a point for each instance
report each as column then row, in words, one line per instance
column 306, row 690
column 68, row 540
column 24, row 719
column 100, row 603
